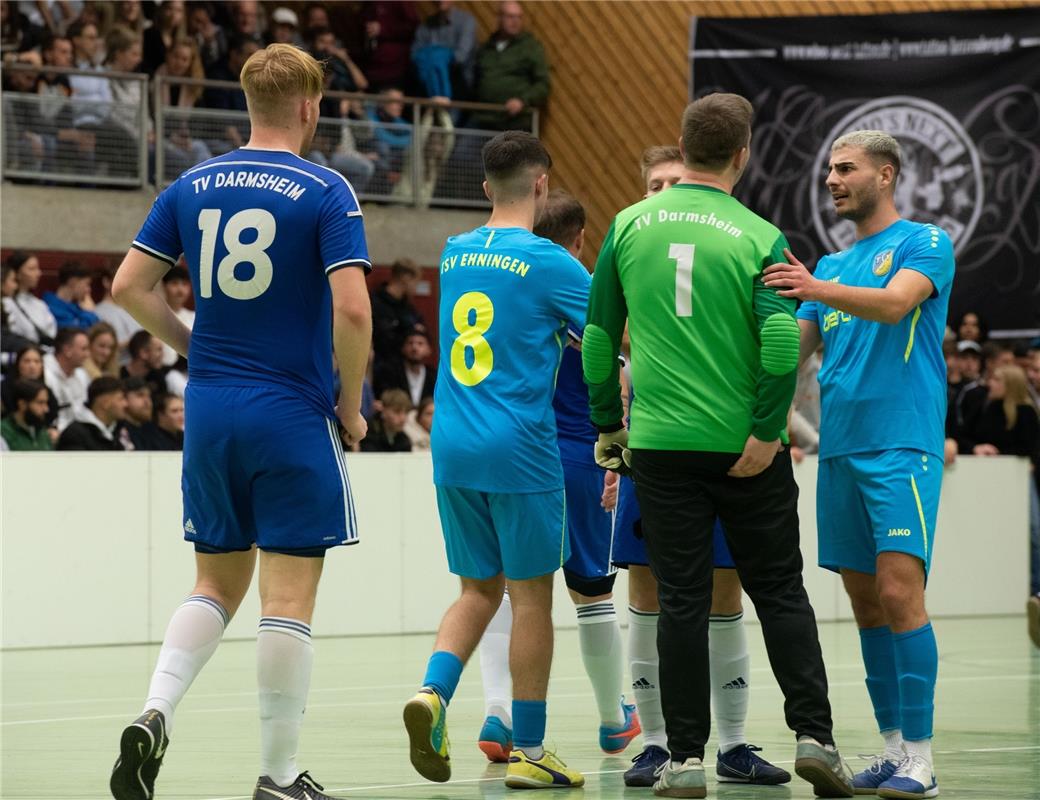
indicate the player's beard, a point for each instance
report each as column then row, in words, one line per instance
column 866, row 203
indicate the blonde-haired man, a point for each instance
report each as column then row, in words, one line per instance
column 277, row 255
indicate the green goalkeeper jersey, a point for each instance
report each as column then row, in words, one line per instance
column 714, row 351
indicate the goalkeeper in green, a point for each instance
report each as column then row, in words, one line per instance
column 714, row 358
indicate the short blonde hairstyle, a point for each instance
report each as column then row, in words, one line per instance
column 276, row 75
column 882, row 147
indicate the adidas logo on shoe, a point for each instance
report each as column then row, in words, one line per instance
column 189, row 526
column 739, row 683
column 642, row 683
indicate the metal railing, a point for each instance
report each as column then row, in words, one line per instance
column 424, row 153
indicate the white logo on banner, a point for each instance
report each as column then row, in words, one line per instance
column 941, row 178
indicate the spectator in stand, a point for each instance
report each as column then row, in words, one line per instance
column 71, row 303
column 17, row 33
column 389, row 31
column 284, row 28
column 971, row 328
column 108, row 310
column 168, row 28
column 969, row 397
column 392, row 138
column 512, row 70
column 177, row 288
column 996, row 355
column 130, row 16
column 25, row 428
column 169, row 419
column 10, row 342
column 1009, row 423
column 65, row 376
column 28, row 315
column 96, row 430
column 1033, row 375
column 246, row 22
column 104, row 352
column 393, row 315
column 138, row 426
column 28, row 366
column 410, row 373
column 26, row 130
column 420, row 424
column 92, row 107
column 209, row 37
column 146, row 361
column 182, row 61
column 386, row 433
column 235, row 133
column 64, row 145
column 443, row 52
column 123, row 53
column 437, row 142
column 42, row 13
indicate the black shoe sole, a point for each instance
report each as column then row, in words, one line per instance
column 824, row 782
column 643, row 783
column 758, row 780
column 135, row 749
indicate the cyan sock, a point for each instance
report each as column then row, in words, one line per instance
column 917, row 665
column 442, row 674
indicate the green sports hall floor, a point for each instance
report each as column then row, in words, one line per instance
column 63, row 711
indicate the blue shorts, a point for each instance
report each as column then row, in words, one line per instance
column 869, row 503
column 588, row 524
column 628, row 545
column 262, row 466
column 487, row 533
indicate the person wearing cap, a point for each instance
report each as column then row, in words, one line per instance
column 284, row 28
column 969, row 395
column 106, row 407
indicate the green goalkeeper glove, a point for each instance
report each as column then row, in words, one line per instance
column 612, row 451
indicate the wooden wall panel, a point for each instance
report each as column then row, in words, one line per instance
column 619, row 80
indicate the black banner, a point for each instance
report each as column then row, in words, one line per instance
column 959, row 90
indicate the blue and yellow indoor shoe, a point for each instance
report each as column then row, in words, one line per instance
column 496, row 740
column 547, row 772
column 614, row 740
column 425, row 719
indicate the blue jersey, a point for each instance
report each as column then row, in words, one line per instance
column 260, row 231
column 507, row 299
column 575, row 432
column 883, row 387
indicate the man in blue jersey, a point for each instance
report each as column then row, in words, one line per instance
column 276, row 250
column 589, row 572
column 880, row 308
column 507, row 300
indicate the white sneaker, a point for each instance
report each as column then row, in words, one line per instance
column 681, row 780
column 914, row 780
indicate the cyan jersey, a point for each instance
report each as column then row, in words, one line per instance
column 260, row 230
column 507, row 299
column 883, row 387
column 575, row 432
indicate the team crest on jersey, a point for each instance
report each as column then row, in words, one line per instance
column 883, row 263
column 940, row 181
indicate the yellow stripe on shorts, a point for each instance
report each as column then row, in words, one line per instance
column 920, row 513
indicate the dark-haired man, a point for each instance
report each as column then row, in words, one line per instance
column 65, row 376
column 714, row 358
column 70, row 303
column 25, row 428
column 507, row 298
column 106, row 407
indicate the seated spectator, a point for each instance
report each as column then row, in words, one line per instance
column 138, row 428
column 177, row 288
column 969, row 395
column 209, row 37
column 437, row 140
column 410, row 373
column 1033, row 375
column 29, row 145
column 386, row 433
column 510, row 69
column 246, row 22
column 146, row 361
column 443, row 51
column 130, row 16
column 10, row 342
column 104, row 352
column 284, row 28
column 71, row 303
column 64, row 145
column 971, row 328
column 1009, row 423
column 389, row 31
column 123, row 53
column 420, row 424
column 182, row 61
column 235, row 132
column 65, row 376
column 17, row 32
column 27, row 366
column 169, row 419
column 168, row 28
column 28, row 315
column 108, row 310
column 391, row 137
column 393, row 314
column 25, row 428
column 106, row 408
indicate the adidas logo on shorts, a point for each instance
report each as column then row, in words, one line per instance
column 189, row 527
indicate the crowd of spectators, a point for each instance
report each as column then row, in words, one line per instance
column 89, row 123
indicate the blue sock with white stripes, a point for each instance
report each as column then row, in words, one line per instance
column 284, row 657
column 192, row 636
column 917, row 664
column 602, row 653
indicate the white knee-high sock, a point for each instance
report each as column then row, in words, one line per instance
column 192, row 636
column 730, row 677
column 494, row 664
column 284, row 657
column 646, row 683
column 603, row 656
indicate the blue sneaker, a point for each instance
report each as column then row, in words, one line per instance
column 496, row 740
column 880, row 770
column 913, row 780
column 614, row 740
column 741, row 765
column 643, row 771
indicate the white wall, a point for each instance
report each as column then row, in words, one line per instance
column 92, row 551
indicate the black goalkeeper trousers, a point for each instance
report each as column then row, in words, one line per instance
column 680, row 494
